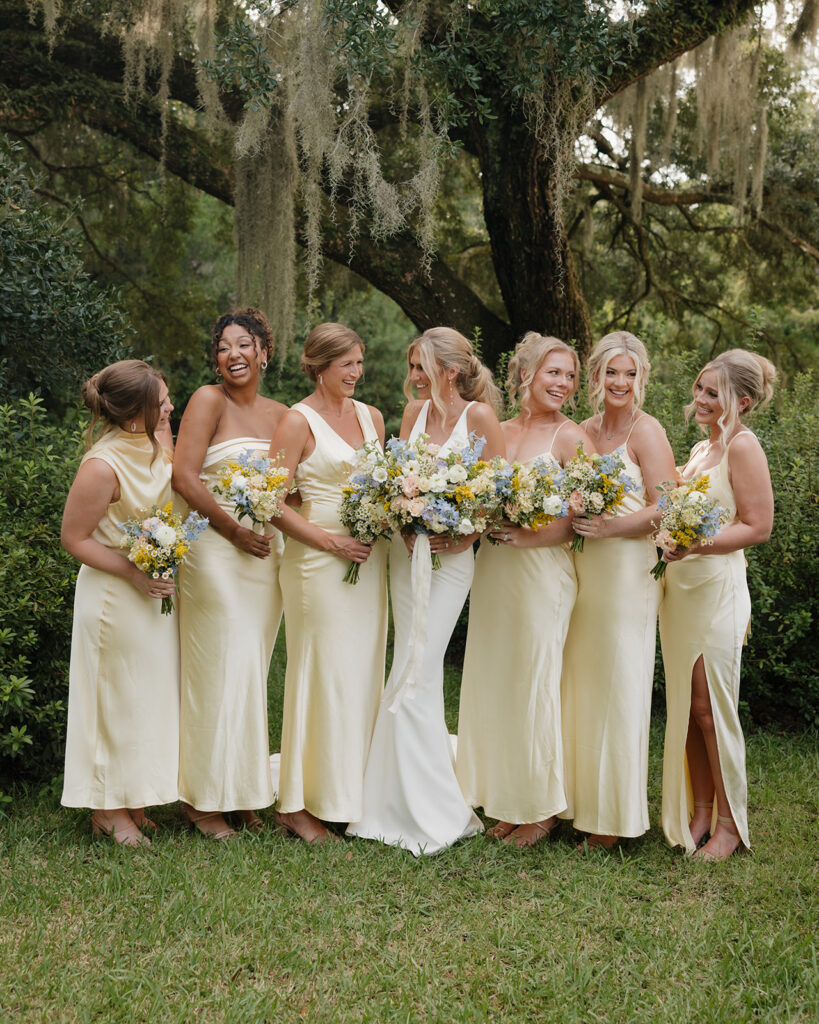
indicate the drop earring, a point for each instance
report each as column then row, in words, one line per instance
column 264, row 366
column 133, row 427
column 451, row 394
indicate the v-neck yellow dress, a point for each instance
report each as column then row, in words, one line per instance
column 336, row 640
column 706, row 611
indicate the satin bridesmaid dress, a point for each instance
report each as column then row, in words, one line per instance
column 122, row 740
column 411, row 795
column 706, row 611
column 336, row 641
column 230, row 607
column 510, row 749
column 608, row 674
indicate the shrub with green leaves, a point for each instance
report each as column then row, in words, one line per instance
column 56, row 326
column 37, row 464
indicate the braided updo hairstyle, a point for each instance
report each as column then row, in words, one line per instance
column 121, row 392
column 253, row 321
column 444, row 348
column 740, row 374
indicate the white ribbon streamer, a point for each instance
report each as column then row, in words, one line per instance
column 421, row 582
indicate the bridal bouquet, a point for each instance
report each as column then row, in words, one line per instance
column 255, row 484
column 594, row 484
column 687, row 515
column 453, row 494
column 365, row 500
column 530, row 493
column 158, row 543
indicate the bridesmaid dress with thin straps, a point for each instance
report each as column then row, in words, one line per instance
column 411, row 796
column 510, row 750
column 608, row 672
column 336, row 640
column 230, row 607
column 706, row 611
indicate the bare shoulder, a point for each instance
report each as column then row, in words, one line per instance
column 648, row 431
column 411, row 412
column 96, row 471
column 574, row 433
column 377, row 418
column 208, row 397
column 481, row 415
column 273, row 411
column 744, row 449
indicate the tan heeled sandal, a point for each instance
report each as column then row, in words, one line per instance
column 500, row 830
column 198, row 819
column 531, row 832
column 127, row 835
column 708, row 856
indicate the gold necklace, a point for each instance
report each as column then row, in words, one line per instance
column 609, row 436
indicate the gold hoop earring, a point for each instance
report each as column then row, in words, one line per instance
column 133, row 427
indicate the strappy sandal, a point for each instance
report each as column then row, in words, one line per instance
column 128, row 835
column 537, row 831
column 251, row 821
column 500, row 830
column 707, row 856
column 709, row 806
column 316, row 839
column 198, row 819
column 141, row 819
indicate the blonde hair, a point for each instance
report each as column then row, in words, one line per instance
column 618, row 343
column 121, row 392
column 740, row 374
column 444, row 348
column 325, row 343
column 530, row 354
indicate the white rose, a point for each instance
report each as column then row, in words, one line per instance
column 596, row 502
column 552, row 504
column 696, row 497
column 379, row 474
column 465, row 526
column 239, row 482
column 457, row 474
column 437, row 483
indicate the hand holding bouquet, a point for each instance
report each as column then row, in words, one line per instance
column 255, row 484
column 157, row 544
column 453, row 494
column 594, row 484
column 365, row 500
column 530, row 493
column 688, row 515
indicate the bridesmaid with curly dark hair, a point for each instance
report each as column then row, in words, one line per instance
column 230, row 603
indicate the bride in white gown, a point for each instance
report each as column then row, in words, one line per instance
column 411, row 796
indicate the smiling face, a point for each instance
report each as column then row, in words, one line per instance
column 554, row 381
column 165, row 407
column 340, row 377
column 707, row 406
column 619, row 381
column 239, row 355
column 417, row 375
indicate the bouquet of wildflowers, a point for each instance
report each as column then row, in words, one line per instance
column 157, row 544
column 255, row 484
column 594, row 484
column 453, row 494
column 365, row 500
column 687, row 516
column 530, row 493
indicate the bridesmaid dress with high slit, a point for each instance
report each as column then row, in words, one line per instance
column 608, row 673
column 510, row 750
column 411, row 795
column 230, row 608
column 706, row 612
column 122, row 740
column 336, row 640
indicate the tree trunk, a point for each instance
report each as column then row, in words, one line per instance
column 530, row 249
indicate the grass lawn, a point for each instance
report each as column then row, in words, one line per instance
column 267, row 929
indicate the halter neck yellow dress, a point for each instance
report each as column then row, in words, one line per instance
column 706, row 611
column 122, row 740
column 510, row 750
column 336, row 641
column 608, row 672
column 230, row 607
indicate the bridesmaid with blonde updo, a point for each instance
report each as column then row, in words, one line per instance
column 230, row 603
column 336, row 632
column 706, row 614
column 122, row 742
column 608, row 664
column 510, row 752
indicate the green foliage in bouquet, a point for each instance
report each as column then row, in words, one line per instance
column 37, row 464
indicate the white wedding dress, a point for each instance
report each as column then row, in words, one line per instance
column 411, row 796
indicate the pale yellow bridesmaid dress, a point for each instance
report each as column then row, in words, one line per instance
column 608, row 672
column 122, row 740
column 230, row 608
column 336, row 639
column 706, row 611
column 510, row 750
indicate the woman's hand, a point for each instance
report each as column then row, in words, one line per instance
column 597, row 527
column 441, row 544
column 348, row 548
column 147, row 585
column 512, row 536
column 251, row 543
column 679, row 553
